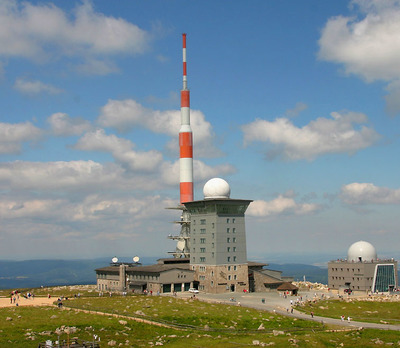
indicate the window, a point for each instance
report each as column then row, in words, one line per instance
column 194, row 250
column 234, row 258
column 229, row 259
column 213, row 235
column 228, row 249
column 194, row 222
column 212, row 283
column 234, row 240
column 234, row 230
column 212, row 254
column 202, row 221
column 202, row 240
column 227, row 220
column 229, row 277
column 213, row 225
column 234, row 249
column 194, row 241
column 202, row 230
column 227, row 230
column 229, row 268
column 212, row 245
column 202, row 250
column 234, row 268
column 235, row 277
column 233, row 220
column 202, row 259
column 228, row 240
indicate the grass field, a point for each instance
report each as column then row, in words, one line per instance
column 358, row 310
column 196, row 324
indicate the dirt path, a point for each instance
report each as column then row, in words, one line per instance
column 37, row 301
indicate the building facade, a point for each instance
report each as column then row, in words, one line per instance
column 363, row 271
column 168, row 275
column 218, row 252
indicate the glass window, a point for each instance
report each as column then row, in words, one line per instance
column 227, row 220
column 228, row 240
column 202, row 250
column 228, row 249
column 234, row 249
column 229, row 259
column 234, row 240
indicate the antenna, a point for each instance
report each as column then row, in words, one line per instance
column 185, row 138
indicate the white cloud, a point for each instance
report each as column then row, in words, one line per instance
column 298, row 108
column 127, row 114
column 202, row 172
column 368, row 193
column 63, row 125
column 44, row 31
column 319, row 137
column 367, row 45
column 35, row 87
column 12, row 136
column 121, row 149
column 281, row 206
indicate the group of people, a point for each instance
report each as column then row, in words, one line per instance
column 14, row 296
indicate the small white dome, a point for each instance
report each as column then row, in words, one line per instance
column 216, row 188
column 361, row 251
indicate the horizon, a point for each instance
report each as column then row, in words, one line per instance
column 289, row 104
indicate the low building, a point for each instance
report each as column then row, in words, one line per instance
column 262, row 279
column 363, row 271
column 168, row 275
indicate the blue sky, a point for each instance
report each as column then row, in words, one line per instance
column 295, row 103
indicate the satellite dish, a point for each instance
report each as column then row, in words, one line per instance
column 136, row 259
column 180, row 245
column 114, row 259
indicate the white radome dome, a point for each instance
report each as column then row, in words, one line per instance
column 216, row 188
column 361, row 251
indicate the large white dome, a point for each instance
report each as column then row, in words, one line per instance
column 216, row 188
column 361, row 251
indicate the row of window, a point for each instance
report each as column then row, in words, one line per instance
column 228, row 259
column 204, row 268
column 204, row 221
column 348, row 269
column 367, row 278
column 203, row 250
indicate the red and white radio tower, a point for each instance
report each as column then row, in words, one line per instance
column 185, row 139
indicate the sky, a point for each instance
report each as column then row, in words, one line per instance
column 296, row 104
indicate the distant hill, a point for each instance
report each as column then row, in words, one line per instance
column 35, row 273
column 298, row 271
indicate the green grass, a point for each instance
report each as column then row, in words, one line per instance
column 358, row 310
column 188, row 312
column 234, row 326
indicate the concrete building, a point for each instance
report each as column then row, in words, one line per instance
column 363, row 271
column 168, row 275
column 218, row 239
